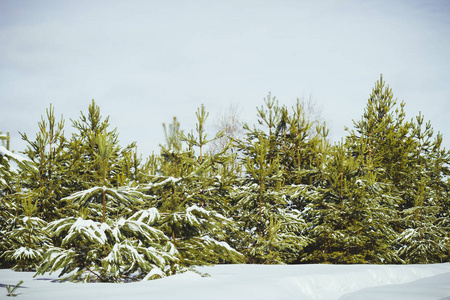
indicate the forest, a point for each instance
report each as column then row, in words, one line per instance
column 90, row 209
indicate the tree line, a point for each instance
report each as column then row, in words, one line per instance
column 281, row 192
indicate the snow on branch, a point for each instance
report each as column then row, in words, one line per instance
column 16, row 157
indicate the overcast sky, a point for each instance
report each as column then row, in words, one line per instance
column 146, row 61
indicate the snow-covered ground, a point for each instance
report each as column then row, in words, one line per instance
column 402, row 282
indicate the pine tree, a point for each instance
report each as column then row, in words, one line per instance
column 424, row 238
column 186, row 198
column 350, row 217
column 11, row 165
column 108, row 241
column 272, row 230
column 279, row 194
column 302, row 148
column 6, row 171
column 4, row 139
column 85, row 165
column 387, row 139
column 47, row 178
column 204, row 160
column 118, row 251
column 27, row 240
column 131, row 169
column 403, row 155
column 103, row 199
column 262, row 174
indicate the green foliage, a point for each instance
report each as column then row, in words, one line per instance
column 384, row 139
column 117, row 251
column 351, row 214
column 425, row 223
column 10, row 290
column 95, row 152
column 92, row 210
column 46, row 178
column 104, row 202
column 185, row 191
column 27, row 242
column 271, row 227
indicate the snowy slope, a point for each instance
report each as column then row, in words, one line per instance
column 260, row 282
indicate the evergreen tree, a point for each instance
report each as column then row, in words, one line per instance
column 11, row 165
column 103, row 199
column 425, row 235
column 279, row 194
column 387, row 140
column 204, row 161
column 350, row 217
column 302, row 149
column 186, row 196
column 47, row 178
column 403, row 155
column 6, row 171
column 261, row 174
column 27, row 242
column 272, row 230
column 107, row 242
column 4, row 140
column 121, row 250
column 85, row 164
column 131, row 169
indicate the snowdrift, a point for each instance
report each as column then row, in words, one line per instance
column 346, row 282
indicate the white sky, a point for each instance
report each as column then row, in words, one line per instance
column 146, row 61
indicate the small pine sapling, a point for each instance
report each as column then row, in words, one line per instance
column 11, row 289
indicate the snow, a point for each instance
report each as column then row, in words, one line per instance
column 6, row 152
column 90, row 229
column 25, row 252
column 82, row 194
column 306, row 282
column 149, row 216
column 170, row 179
column 208, row 239
column 155, row 272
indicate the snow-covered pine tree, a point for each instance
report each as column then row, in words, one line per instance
column 48, row 178
column 11, row 165
column 424, row 238
column 271, row 230
column 185, row 197
column 6, row 171
column 404, row 155
column 300, row 146
column 4, row 139
column 261, row 174
column 204, row 162
column 110, row 239
column 84, row 164
column 104, row 201
column 120, row 250
column 8, row 207
column 130, row 168
column 387, row 139
column 350, row 217
column 27, row 241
